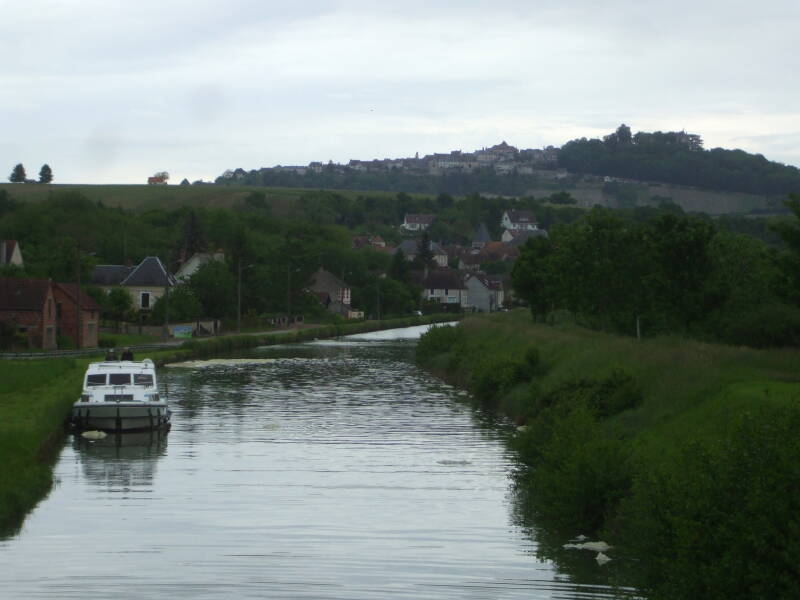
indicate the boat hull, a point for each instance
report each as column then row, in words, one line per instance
column 120, row 416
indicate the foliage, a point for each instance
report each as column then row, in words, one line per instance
column 180, row 304
column 720, row 519
column 45, row 174
column 678, row 158
column 17, row 174
column 214, row 287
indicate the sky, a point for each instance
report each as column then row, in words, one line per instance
column 111, row 91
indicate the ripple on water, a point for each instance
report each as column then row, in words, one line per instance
column 313, row 471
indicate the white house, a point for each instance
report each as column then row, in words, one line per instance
column 417, row 222
column 446, row 287
column 518, row 220
column 197, row 260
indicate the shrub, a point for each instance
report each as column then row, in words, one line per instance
column 439, row 339
column 722, row 518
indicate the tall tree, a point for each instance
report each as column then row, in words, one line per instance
column 18, row 174
column 790, row 261
column 45, row 174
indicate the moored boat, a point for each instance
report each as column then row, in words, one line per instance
column 120, row 396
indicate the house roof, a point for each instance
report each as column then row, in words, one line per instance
column 23, row 294
column 482, row 234
column 420, row 219
column 492, row 284
column 109, row 274
column 149, row 272
column 520, row 216
column 70, row 290
column 439, row 279
column 7, row 250
column 325, row 281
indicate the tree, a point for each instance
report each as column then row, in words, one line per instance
column 215, row 287
column 424, row 257
column 790, row 261
column 45, row 174
column 399, row 268
column 18, row 174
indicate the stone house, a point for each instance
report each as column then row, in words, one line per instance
column 66, row 297
column 334, row 294
column 28, row 307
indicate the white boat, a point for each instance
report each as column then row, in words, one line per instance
column 120, row 396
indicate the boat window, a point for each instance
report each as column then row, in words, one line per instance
column 142, row 379
column 119, row 378
column 96, row 379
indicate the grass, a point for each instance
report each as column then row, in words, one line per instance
column 705, row 453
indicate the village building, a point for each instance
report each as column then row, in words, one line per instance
column 410, row 250
column 66, row 297
column 417, row 222
column 518, row 237
column 485, row 294
column 334, row 294
column 146, row 283
column 193, row 264
column 481, row 237
column 27, row 306
column 444, row 286
column 10, row 253
column 516, row 220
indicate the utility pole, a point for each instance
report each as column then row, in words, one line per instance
column 239, row 298
column 78, row 296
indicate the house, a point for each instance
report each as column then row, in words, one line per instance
column 518, row 220
column 410, row 249
column 146, row 282
column 157, row 180
column 417, row 222
column 28, row 306
column 334, row 294
column 485, row 294
column 444, row 286
column 10, row 254
column 197, row 260
column 66, row 297
column 481, row 237
column 368, row 241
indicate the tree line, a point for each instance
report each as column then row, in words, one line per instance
column 678, row 158
column 670, row 273
column 18, row 174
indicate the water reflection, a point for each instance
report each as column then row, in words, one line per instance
column 335, row 469
column 123, row 460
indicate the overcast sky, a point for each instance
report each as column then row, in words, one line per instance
column 110, row 91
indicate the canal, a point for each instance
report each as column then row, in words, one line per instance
column 332, row 469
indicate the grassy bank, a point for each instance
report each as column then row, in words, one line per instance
column 36, row 396
column 684, row 454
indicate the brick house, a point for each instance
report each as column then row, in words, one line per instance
column 28, row 306
column 66, row 313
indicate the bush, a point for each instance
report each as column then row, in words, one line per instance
column 603, row 397
column 722, row 519
column 768, row 325
column 439, row 339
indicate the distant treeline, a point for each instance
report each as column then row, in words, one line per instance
column 456, row 182
column 678, row 158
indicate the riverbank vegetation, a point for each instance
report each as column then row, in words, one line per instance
column 681, row 453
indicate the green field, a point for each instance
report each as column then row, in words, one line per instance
column 171, row 196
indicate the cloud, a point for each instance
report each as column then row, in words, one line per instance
column 213, row 85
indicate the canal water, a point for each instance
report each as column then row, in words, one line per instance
column 332, row 469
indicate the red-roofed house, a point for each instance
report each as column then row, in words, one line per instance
column 28, row 306
column 66, row 296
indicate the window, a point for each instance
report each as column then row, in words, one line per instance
column 119, row 378
column 143, row 379
column 95, row 379
column 145, row 300
column 452, row 299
